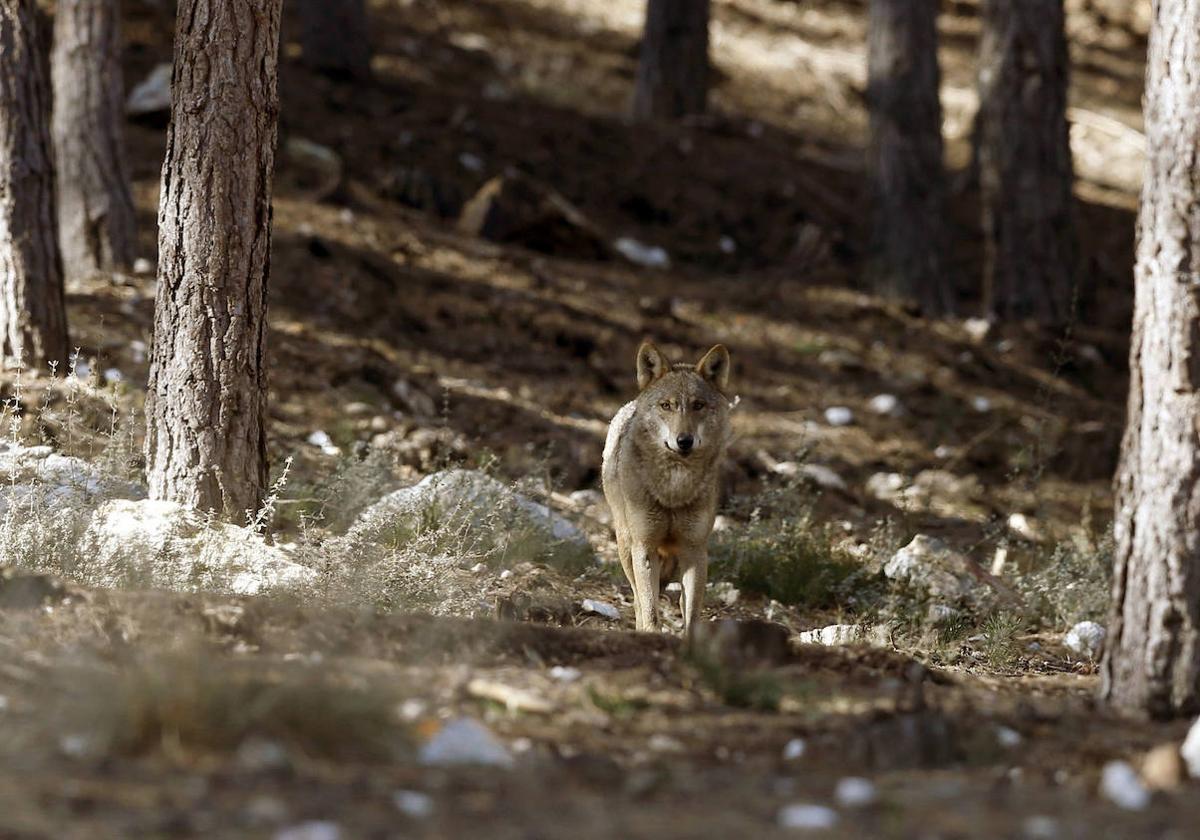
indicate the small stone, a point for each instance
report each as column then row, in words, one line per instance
column 600, row 608
column 728, row 245
column 1040, row 827
column 312, row 830
column 479, row 568
column 839, row 415
column 638, row 253
column 794, row 749
column 322, row 441
column 1120, row 784
column 855, row 792
column 1086, row 638
column 113, row 375
column 143, row 266
column 470, row 162
column 722, row 523
column 885, row 486
column 465, row 741
column 1023, row 527
column 152, row 95
column 1162, row 768
column 981, row 404
column 413, row 803
column 807, row 817
column 725, row 592
column 977, row 328
column 358, row 409
column 260, row 754
column 565, row 673
column 506, row 574
column 886, row 405
column 660, row 742
column 1008, row 738
column 843, row 634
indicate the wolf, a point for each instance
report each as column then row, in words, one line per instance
column 662, row 461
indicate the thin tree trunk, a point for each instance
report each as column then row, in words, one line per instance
column 33, row 319
column 1152, row 664
column 908, row 181
column 1025, row 161
column 335, row 37
column 206, row 403
column 97, row 228
column 672, row 77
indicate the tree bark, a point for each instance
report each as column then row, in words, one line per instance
column 1152, row 663
column 97, row 228
column 907, row 177
column 206, row 403
column 335, row 37
column 672, row 77
column 1025, row 161
column 33, row 318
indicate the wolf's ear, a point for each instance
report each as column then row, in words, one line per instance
column 715, row 367
column 651, row 364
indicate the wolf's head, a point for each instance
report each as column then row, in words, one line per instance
column 684, row 407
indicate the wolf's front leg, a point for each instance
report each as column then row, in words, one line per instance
column 646, row 569
column 694, row 578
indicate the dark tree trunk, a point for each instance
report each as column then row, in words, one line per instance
column 908, row 182
column 97, row 230
column 1025, row 161
column 335, row 37
column 672, row 76
column 33, row 319
column 206, row 402
column 1152, row 663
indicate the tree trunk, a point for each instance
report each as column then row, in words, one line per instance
column 206, row 402
column 33, row 318
column 97, row 230
column 672, row 77
column 908, row 182
column 1152, row 664
column 335, row 37
column 1025, row 161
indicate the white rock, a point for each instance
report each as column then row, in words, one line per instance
column 163, row 544
column 887, row 405
column 977, row 328
column 819, row 474
column 1024, row 527
column 413, row 803
column 638, row 253
column 807, row 817
column 885, row 486
column 113, row 375
column 465, row 494
column 601, row 608
column 722, row 523
column 143, row 266
column 1008, row 738
column 1121, row 785
column 855, row 792
column 312, row 830
column 1086, row 638
column 839, row 415
column 844, row 634
column 981, row 404
column 1190, row 751
column 565, row 673
column 794, row 749
column 727, row 244
column 465, row 741
column 152, row 95
column 930, row 565
column 470, row 162
column 725, row 592
column 322, row 441
column 38, row 476
column 506, row 574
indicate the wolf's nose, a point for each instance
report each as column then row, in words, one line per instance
column 684, row 442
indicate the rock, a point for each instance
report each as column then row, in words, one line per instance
column 839, row 415
column 152, row 95
column 1008, row 738
column 722, row 523
column 794, row 749
column 885, row 486
column 1190, row 751
column 513, row 699
column 37, row 474
column 727, row 245
column 818, row 474
column 945, row 494
column 839, row 358
column 319, row 167
column 312, row 830
column 600, row 608
column 1040, row 827
column 516, row 208
column 940, row 614
column 1120, row 784
column 413, row 803
column 471, row 162
column 1162, row 767
column 807, row 817
column 724, row 592
column 930, row 565
column 142, row 267
column 855, row 792
column 981, row 404
column 468, row 497
column 978, row 329
column 415, row 401
column 663, row 743
column 1024, row 527
column 1087, row 639
column 424, row 449
column 565, row 673
column 886, row 405
column 322, row 441
column 845, row 634
column 640, row 254
column 163, row 544
column 465, row 741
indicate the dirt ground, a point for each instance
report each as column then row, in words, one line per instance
column 386, row 320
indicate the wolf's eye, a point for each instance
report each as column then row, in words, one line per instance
column 698, row 405
column 665, row 405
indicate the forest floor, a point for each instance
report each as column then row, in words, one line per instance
column 145, row 713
